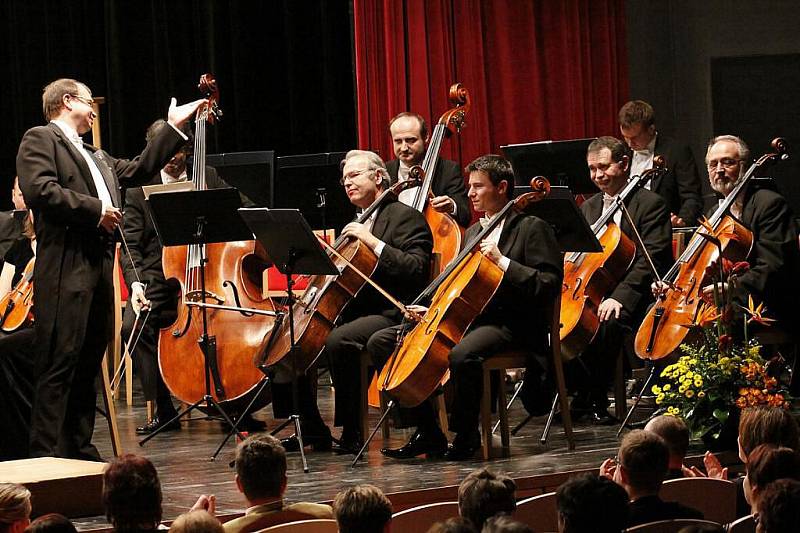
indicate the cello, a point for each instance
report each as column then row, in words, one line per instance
column 447, row 234
column 588, row 277
column 664, row 329
column 325, row 297
column 16, row 307
column 458, row 295
column 233, row 273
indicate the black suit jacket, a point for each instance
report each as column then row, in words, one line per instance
column 57, row 185
column 403, row 268
column 654, row 509
column 532, row 280
column 680, row 185
column 447, row 181
column 651, row 217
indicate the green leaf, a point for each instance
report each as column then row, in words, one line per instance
column 721, row 415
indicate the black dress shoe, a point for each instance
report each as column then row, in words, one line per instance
column 350, row 443
column 318, row 443
column 463, row 447
column 157, row 423
column 432, row 444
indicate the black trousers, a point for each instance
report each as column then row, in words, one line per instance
column 600, row 359
column 16, row 392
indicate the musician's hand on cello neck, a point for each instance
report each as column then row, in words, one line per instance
column 415, row 312
column 443, row 204
column 608, row 308
column 179, row 114
column 491, row 251
column 360, row 232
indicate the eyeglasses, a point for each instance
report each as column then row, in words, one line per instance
column 727, row 163
column 352, row 175
column 87, row 101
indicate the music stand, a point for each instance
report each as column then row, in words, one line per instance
column 563, row 162
column 293, row 247
column 199, row 218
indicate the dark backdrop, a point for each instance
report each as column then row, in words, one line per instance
column 284, row 69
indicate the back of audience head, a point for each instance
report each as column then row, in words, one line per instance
column 261, row 468
column 768, row 463
column 51, row 523
column 779, row 507
column 675, row 433
column 643, row 463
column 362, row 509
column 504, row 524
column 703, row 528
column 484, row 494
column 457, row 524
column 591, row 504
column 766, row 425
column 15, row 508
column 132, row 493
column 198, row 521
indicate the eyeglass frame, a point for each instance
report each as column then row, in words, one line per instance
column 90, row 101
column 353, row 175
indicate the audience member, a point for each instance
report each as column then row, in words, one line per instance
column 591, row 504
column 779, row 507
column 676, row 436
column 640, row 470
column 261, row 476
column 362, row 509
column 132, row 494
column 484, row 494
column 15, row 508
column 768, row 463
column 504, row 524
column 198, row 521
column 51, row 523
column 457, row 524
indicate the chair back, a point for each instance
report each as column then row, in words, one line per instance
column 320, row 525
column 422, row 517
column 715, row 498
column 669, row 526
column 538, row 512
column 273, row 519
column 746, row 524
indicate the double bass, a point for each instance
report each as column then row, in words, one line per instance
column 233, row 273
column 458, row 295
column 588, row 277
column 447, row 234
column 664, row 327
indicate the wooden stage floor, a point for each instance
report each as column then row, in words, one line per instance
column 182, row 460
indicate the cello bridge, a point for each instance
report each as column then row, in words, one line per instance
column 197, row 296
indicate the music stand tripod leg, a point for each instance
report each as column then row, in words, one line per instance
column 235, row 427
column 638, row 399
column 372, row 435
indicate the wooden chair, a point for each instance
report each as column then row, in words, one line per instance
column 424, row 516
column 715, row 498
column 670, row 526
column 277, row 518
column 320, row 525
column 538, row 512
column 495, row 367
column 746, row 524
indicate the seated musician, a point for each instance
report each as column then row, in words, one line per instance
column 624, row 307
column 525, row 248
column 410, row 137
column 401, row 239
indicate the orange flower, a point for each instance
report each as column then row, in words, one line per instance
column 706, row 314
column 757, row 312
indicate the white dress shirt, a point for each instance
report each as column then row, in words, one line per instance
column 99, row 183
column 643, row 159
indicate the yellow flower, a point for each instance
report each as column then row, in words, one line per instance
column 701, row 394
column 660, row 399
column 689, row 393
column 656, row 390
column 667, row 387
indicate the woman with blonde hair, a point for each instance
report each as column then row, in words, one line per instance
column 15, row 508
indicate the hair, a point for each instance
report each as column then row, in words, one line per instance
column 131, row 493
column 504, row 524
column 617, row 148
column 767, row 425
column 779, row 507
column 54, row 92
column 743, row 149
column 198, row 521
column 51, row 523
column 15, row 505
column 155, row 127
column 484, row 494
column 261, row 466
column 374, row 162
column 423, row 126
column 497, row 168
column 457, row 524
column 362, row 509
column 767, row 463
column 645, row 458
column 592, row 504
column 637, row 112
column 674, row 431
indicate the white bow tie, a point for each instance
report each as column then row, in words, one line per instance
column 76, row 140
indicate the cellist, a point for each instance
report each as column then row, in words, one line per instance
column 608, row 160
column 410, row 138
column 401, row 239
column 525, row 248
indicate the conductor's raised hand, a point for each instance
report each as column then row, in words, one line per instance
column 179, row 114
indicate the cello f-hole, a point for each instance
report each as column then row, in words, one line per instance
column 579, row 282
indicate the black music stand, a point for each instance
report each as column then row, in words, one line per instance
column 294, row 249
column 562, row 162
column 199, row 218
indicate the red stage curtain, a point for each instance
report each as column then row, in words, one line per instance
column 536, row 70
